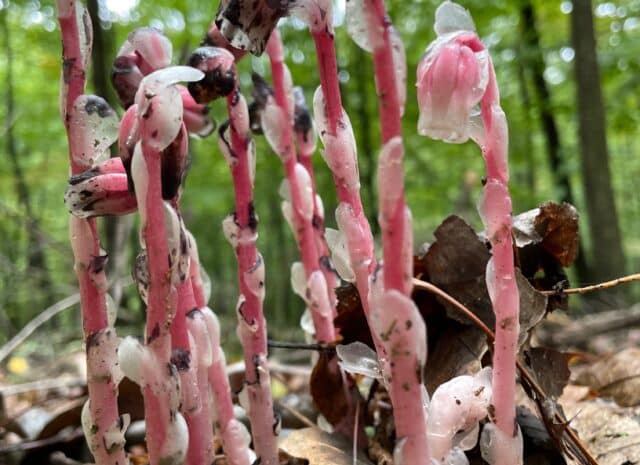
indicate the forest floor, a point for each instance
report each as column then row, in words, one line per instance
column 40, row 415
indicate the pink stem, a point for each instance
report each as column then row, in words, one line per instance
column 391, row 126
column 321, row 310
column 103, row 391
column 496, row 215
column 235, row 451
column 200, row 450
column 328, row 69
column 506, row 301
column 305, row 160
column 362, row 236
column 215, row 376
column 194, row 383
column 196, row 283
column 397, row 244
column 253, row 331
column 160, row 309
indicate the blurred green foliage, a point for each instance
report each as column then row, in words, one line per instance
column 441, row 179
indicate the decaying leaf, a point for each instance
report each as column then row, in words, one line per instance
column 457, row 263
column 547, row 240
column 617, row 376
column 320, row 448
column 551, row 369
column 458, row 352
column 351, row 321
column 327, row 389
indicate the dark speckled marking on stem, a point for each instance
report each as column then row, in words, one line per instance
column 173, row 373
column 149, row 111
column 387, row 334
column 325, row 263
column 93, row 340
column 67, row 67
column 378, row 268
column 235, row 98
column 98, row 263
column 277, row 423
column 408, row 324
column 261, row 90
column 255, row 110
column 84, row 176
column 155, row 333
column 491, row 410
column 256, row 367
column 191, row 314
column 98, row 105
column 222, row 132
column 316, row 221
column 253, row 218
column 181, row 358
column 302, row 122
column 256, row 265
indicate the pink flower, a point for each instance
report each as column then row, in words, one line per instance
column 452, row 77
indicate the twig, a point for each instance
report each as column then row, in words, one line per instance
column 63, row 436
column 298, row 415
column 595, row 287
column 524, row 373
column 38, row 321
column 45, row 316
column 300, row 346
column 41, row 385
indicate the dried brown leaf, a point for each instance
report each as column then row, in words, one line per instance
column 327, row 388
column 321, row 448
column 551, row 369
column 617, row 376
column 558, row 226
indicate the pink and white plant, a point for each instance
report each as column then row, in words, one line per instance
column 277, row 123
column 459, row 99
column 240, row 229
column 103, row 426
column 401, row 331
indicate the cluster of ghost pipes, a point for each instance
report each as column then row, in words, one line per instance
column 181, row 367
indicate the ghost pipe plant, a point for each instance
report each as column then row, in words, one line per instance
column 158, row 105
column 277, row 124
column 455, row 76
column 306, row 146
column 86, row 116
column 240, row 228
column 395, row 317
column 235, row 437
column 353, row 246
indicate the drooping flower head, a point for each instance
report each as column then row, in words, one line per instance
column 145, row 50
column 452, row 77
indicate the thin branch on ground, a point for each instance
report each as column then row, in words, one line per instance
column 595, row 287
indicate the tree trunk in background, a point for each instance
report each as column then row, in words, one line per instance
column 36, row 263
column 606, row 244
column 101, row 55
column 116, row 229
column 534, row 61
